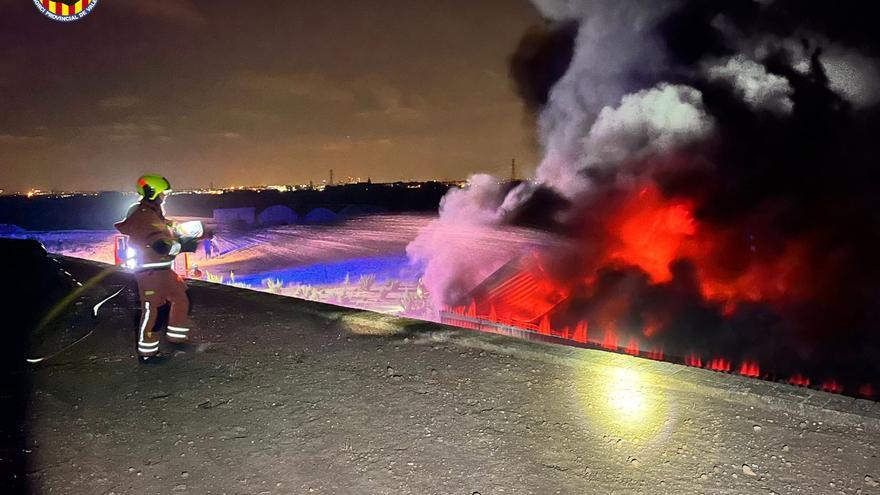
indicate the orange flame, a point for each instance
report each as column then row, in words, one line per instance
column 799, row 380
column 651, row 232
column 832, row 386
column 610, row 340
column 750, row 369
column 633, row 347
column 580, row 333
column 693, row 360
column 719, row 364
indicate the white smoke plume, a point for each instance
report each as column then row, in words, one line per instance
column 467, row 243
column 616, row 41
column 733, row 108
column 590, row 109
column 600, row 115
column 647, row 122
column 757, row 87
column 852, row 75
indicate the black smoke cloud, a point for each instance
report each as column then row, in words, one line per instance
column 811, row 174
column 542, row 57
column 790, row 89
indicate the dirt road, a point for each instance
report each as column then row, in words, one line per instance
column 294, row 397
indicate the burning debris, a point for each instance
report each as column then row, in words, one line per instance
column 713, row 166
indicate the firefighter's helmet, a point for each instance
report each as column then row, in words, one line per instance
column 151, row 186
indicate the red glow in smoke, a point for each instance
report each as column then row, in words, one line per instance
column 651, row 232
column 650, row 329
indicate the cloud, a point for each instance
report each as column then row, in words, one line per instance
column 389, row 102
column 310, row 85
column 125, row 131
column 21, row 139
column 182, row 12
column 118, row 102
column 369, row 98
column 336, row 146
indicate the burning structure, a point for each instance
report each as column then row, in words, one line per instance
column 713, row 166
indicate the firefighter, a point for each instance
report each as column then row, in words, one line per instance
column 155, row 243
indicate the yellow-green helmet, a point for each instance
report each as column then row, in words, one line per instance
column 151, row 186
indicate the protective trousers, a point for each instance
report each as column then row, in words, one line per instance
column 156, row 288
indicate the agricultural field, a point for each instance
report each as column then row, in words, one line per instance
column 360, row 262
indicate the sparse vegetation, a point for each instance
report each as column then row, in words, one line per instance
column 414, row 302
column 305, row 291
column 391, row 296
column 274, row 285
column 366, row 282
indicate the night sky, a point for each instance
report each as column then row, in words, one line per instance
column 266, row 92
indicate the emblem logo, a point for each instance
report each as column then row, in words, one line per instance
column 65, row 10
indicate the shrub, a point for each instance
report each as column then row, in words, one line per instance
column 274, row 285
column 366, row 281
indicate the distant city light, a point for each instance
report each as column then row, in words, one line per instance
column 281, row 188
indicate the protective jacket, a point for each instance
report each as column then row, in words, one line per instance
column 154, row 240
column 150, row 234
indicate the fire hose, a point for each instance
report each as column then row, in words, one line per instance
column 188, row 234
column 95, row 310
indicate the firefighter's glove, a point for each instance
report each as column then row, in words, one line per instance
column 167, row 247
column 174, row 250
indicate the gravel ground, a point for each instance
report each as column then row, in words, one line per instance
column 285, row 396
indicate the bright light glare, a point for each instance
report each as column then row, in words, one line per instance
column 623, row 398
column 192, row 230
column 130, row 258
column 626, row 396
